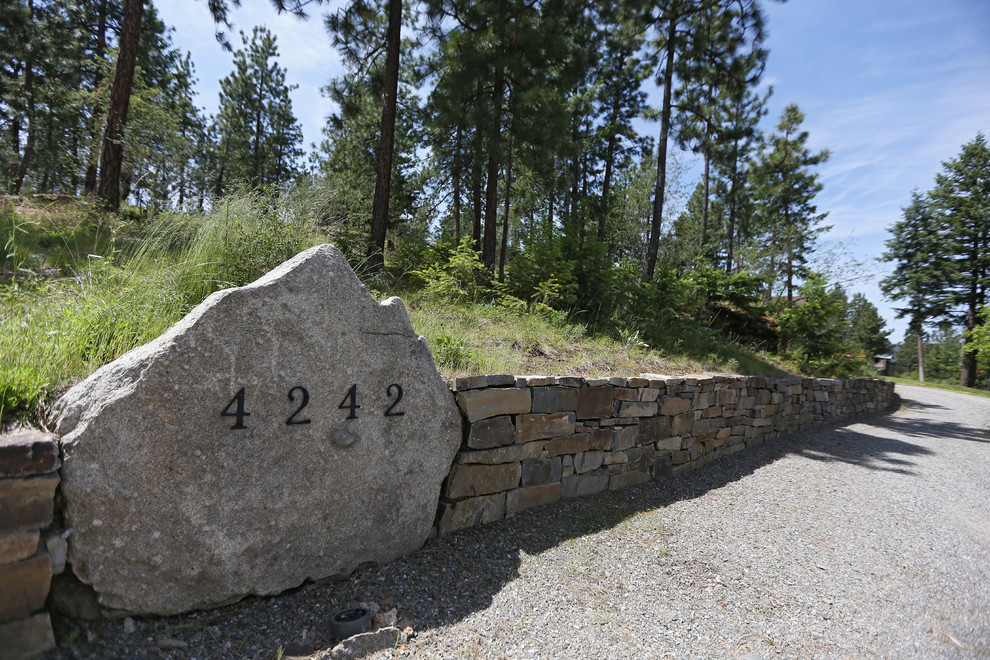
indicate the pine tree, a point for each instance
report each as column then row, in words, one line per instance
column 919, row 251
column 785, row 189
column 962, row 195
column 259, row 136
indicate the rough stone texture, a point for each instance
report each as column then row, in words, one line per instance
column 630, row 478
column 675, row 405
column 595, row 402
column 27, row 503
column 653, row 429
column 492, row 432
column 27, row 451
column 584, row 484
column 58, row 550
column 637, row 409
column 512, row 454
column 568, row 444
column 527, row 498
column 26, row 638
column 471, row 512
column 625, row 437
column 473, row 480
column 482, row 404
column 175, row 508
column 537, row 426
column 587, row 461
column 554, row 399
column 539, row 471
column 24, row 586
column 15, row 546
column 367, row 643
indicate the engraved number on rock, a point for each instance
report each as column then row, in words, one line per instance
column 305, row 401
column 390, row 411
column 238, row 412
column 353, row 405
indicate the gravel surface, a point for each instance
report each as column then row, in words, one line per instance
column 869, row 539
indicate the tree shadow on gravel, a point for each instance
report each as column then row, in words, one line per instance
column 458, row 575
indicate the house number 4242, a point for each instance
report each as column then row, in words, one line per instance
column 299, row 396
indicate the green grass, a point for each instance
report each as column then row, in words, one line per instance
column 79, row 289
column 939, row 386
column 57, row 325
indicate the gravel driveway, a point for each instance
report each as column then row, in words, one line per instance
column 870, row 539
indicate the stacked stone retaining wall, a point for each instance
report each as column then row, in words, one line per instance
column 533, row 440
column 28, row 555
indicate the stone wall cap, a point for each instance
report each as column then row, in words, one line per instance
column 28, row 451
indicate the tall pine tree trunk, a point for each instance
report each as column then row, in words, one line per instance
column 476, row 190
column 28, row 92
column 456, row 175
column 704, row 201
column 505, row 218
column 658, row 197
column 921, row 356
column 89, row 184
column 491, row 190
column 120, row 98
column 383, row 174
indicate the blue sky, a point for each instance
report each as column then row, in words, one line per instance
column 891, row 87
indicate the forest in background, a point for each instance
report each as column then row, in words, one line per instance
column 493, row 150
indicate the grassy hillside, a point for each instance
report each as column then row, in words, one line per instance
column 79, row 288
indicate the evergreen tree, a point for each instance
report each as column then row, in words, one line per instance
column 918, row 249
column 785, row 189
column 865, row 328
column 259, row 135
column 962, row 197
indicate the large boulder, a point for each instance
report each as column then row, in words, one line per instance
column 287, row 430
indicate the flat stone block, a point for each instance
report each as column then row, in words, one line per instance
column 582, row 485
column 626, row 394
column 470, row 383
column 649, row 394
column 537, row 426
column 653, row 429
column 526, row 498
column 683, row 468
column 484, row 403
column 471, row 512
column 669, row 444
column 674, row 405
column 554, row 398
column 27, row 451
column 587, row 461
column 600, row 439
column 680, row 456
column 625, row 437
column 631, row 478
column 595, row 402
column 615, row 458
column 539, row 471
column 492, row 432
column 570, row 444
column 682, row 424
column 570, row 381
column 637, row 409
column 501, row 380
column 511, row 454
column 15, row 546
column 28, row 638
column 24, row 586
column 474, row 480
column 27, row 503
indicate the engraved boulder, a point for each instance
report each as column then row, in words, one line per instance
column 287, row 430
